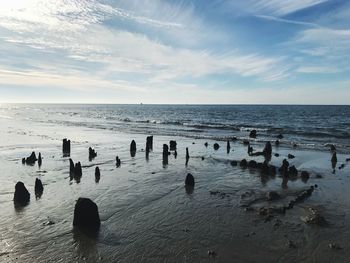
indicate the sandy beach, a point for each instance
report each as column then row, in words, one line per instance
column 146, row 213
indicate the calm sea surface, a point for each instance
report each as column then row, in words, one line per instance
column 308, row 126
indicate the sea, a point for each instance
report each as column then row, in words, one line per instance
column 309, row 126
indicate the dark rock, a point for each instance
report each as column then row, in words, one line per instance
column 22, row 196
column 92, row 153
column 216, row 146
column 38, row 188
column 23, row 160
column 277, row 155
column 173, row 145
column 66, row 146
column 117, row 161
column 189, row 180
column 272, row 195
column 280, row 136
column 295, row 145
column 86, row 214
column 206, row 144
column 252, row 134
column 313, row 217
column 97, row 174
column 291, row 156
column 243, row 163
column 277, row 142
column 348, row 159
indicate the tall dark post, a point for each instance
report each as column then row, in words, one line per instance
column 39, row 160
column 66, row 147
column 173, row 145
column 149, row 143
column 165, row 154
column 187, row 155
column 133, row 148
column 228, row 146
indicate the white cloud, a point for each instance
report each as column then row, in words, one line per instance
column 281, row 8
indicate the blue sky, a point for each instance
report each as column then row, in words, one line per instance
column 152, row 51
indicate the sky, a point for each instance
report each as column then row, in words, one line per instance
column 167, row 51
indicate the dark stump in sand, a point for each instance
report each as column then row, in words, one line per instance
column 86, row 214
column 71, row 166
column 268, row 149
column 245, row 142
column 284, row 167
column 334, row 158
column 234, row 163
column 305, row 175
column 97, row 174
column 252, row 164
column 22, row 196
column 189, row 181
column 216, row 146
column 77, row 172
column 243, row 163
column 187, row 155
column 66, row 147
column 277, row 142
column 92, row 153
column 133, row 148
column 149, row 143
column 38, row 188
column 173, row 145
column 39, row 160
column 250, row 150
column 31, row 159
column 292, row 171
column 291, row 156
column 252, row 134
column 206, row 144
column 228, row 146
column 117, row 161
column 165, row 154
column 332, row 148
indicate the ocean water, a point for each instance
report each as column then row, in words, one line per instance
column 308, row 126
column 147, row 215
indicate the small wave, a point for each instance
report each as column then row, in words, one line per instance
column 5, row 117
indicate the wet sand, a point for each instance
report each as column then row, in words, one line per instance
column 146, row 213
